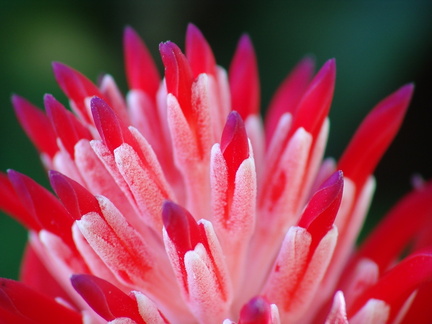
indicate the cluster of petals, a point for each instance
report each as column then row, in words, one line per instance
column 178, row 204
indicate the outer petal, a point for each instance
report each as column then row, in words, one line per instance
column 141, row 70
column 36, row 125
column 17, row 303
column 244, row 80
column 294, row 280
column 338, row 312
column 374, row 136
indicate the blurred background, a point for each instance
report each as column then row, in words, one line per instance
column 378, row 45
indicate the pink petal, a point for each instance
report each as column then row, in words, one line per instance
column 191, row 144
column 36, row 125
column 43, row 206
column 102, row 176
column 198, row 262
column 10, row 203
column 181, row 228
column 375, row 311
column 281, row 189
column 77, row 87
column 68, row 128
column 149, row 197
column 257, row 310
column 112, row 93
column 35, row 275
column 234, row 210
column 398, row 283
column 118, row 245
column 77, row 200
column 110, row 128
column 321, row 210
column 178, row 77
column 337, row 313
column 288, row 95
column 141, row 70
column 420, row 311
column 234, row 144
column 106, row 299
column 147, row 309
column 315, row 103
column 296, row 274
column 374, row 136
column 244, row 80
column 199, row 53
column 29, row 306
column 402, row 227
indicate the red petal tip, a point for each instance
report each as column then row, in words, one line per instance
column 234, row 142
column 180, row 226
column 107, row 123
column 244, row 79
column 198, row 52
column 374, row 135
column 141, row 70
column 36, row 125
column 77, row 200
column 315, row 104
column 322, row 208
column 76, row 86
column 257, row 310
column 178, row 76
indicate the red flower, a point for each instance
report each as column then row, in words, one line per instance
column 177, row 205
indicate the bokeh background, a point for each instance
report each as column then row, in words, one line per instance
column 378, row 45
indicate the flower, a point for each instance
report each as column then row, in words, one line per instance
column 175, row 204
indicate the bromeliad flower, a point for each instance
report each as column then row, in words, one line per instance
column 176, row 205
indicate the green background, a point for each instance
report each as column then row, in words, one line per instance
column 378, row 45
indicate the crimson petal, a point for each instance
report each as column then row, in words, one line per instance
column 76, row 87
column 234, row 143
column 244, row 79
column 199, row 53
column 28, row 306
column 256, row 311
column 374, row 136
column 106, row 299
column 77, row 199
column 178, row 76
column 43, row 206
column 141, row 70
column 36, row 125
column 66, row 125
column 322, row 208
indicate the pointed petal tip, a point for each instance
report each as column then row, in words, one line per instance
column 406, row 91
column 192, row 28
column 15, row 99
column 169, row 209
column 330, row 66
column 257, row 310
column 130, row 35
column 59, row 67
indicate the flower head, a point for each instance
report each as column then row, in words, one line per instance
column 175, row 204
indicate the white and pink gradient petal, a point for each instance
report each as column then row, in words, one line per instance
column 337, row 313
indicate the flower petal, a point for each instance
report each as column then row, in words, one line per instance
column 36, row 125
column 288, row 95
column 141, row 70
column 199, row 53
column 19, row 302
column 244, row 79
column 68, row 128
column 76, row 87
column 106, row 299
column 374, row 136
